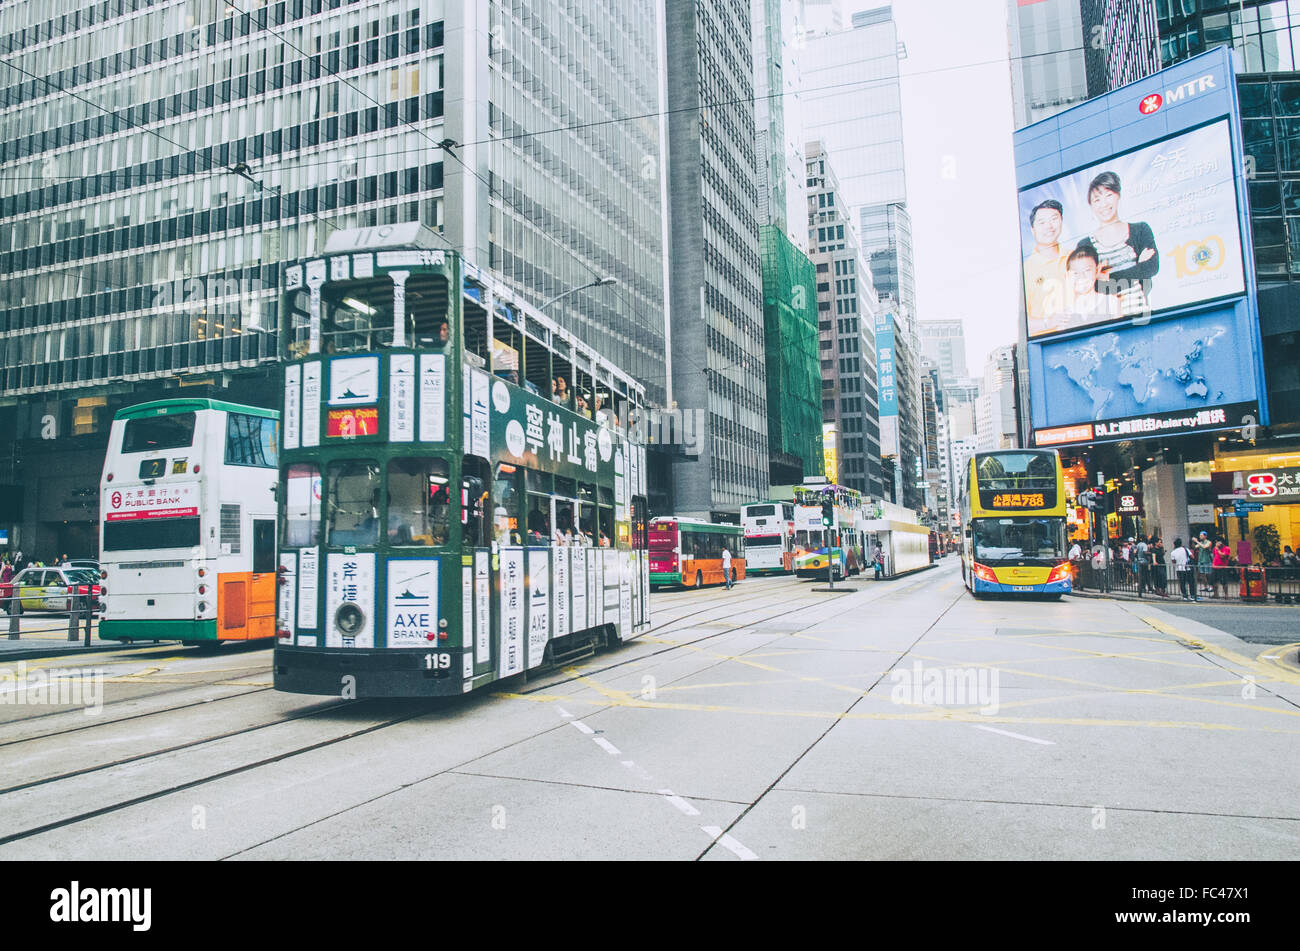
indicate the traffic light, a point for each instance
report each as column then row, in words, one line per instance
column 828, row 514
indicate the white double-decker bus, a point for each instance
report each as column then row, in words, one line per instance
column 769, row 537
column 187, row 522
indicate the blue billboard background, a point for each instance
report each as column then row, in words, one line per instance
column 1190, row 369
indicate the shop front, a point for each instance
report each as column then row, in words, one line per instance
column 1257, row 504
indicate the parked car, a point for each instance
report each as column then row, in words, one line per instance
column 51, row 589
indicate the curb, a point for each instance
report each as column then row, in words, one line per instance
column 36, row 653
column 1212, row 602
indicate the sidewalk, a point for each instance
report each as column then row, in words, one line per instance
column 1175, row 598
column 46, row 635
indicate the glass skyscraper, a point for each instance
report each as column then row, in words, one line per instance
column 161, row 160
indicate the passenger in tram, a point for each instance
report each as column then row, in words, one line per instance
column 560, row 391
column 539, row 523
column 510, row 376
column 604, row 540
column 580, row 406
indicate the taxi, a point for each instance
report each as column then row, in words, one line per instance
column 51, row 589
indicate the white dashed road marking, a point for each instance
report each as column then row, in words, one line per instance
column 1017, row 736
column 728, row 843
column 679, row 802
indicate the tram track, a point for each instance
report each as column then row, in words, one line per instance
column 669, row 626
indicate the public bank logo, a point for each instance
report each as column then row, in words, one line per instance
column 1151, row 103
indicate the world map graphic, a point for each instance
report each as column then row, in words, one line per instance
column 1114, row 375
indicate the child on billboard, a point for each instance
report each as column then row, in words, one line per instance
column 1088, row 305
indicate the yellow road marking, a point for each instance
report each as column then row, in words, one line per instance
column 924, row 717
column 1251, row 664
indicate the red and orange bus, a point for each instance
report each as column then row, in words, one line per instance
column 688, row 551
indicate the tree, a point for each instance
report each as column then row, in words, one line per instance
column 1268, row 544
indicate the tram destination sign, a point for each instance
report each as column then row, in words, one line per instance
column 531, row 431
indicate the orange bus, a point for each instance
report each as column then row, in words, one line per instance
column 688, row 551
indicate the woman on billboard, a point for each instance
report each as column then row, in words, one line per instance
column 1125, row 250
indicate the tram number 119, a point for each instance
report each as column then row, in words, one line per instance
column 437, row 661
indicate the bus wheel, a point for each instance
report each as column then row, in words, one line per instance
column 699, row 579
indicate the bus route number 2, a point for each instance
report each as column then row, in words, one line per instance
column 437, row 661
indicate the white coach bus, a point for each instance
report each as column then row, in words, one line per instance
column 187, row 522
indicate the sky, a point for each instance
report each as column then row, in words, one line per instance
column 957, row 125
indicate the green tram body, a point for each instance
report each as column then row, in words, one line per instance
column 381, row 597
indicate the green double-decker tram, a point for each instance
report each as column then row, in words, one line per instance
column 461, row 498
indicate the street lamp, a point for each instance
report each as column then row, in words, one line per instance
column 599, row 282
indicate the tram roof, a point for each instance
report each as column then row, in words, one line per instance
column 482, row 290
column 187, row 405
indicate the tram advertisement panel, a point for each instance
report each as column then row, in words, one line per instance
column 531, row 431
column 412, row 614
column 539, row 631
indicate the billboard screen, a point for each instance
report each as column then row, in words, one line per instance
column 1139, row 282
column 1153, row 229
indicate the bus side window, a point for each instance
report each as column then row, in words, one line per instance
column 263, row 545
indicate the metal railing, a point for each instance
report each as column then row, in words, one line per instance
column 1239, row 583
column 81, row 614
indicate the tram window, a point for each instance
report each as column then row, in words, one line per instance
column 358, row 315
column 426, row 311
column 563, row 517
column 152, row 433
column 302, row 509
column 251, row 440
column 539, row 517
column 505, row 508
column 419, row 500
column 297, row 322
column 473, row 518
column 352, row 503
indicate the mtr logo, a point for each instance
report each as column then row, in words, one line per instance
column 1152, row 103
column 1262, row 485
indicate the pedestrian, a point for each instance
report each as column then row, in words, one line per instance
column 1182, row 560
column 878, row 561
column 1288, row 557
column 1159, row 572
column 726, row 565
column 1142, row 565
column 1221, row 559
column 1204, row 563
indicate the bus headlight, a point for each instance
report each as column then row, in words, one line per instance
column 985, row 574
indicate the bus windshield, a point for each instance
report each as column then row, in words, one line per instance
column 1016, row 470
column 1012, row 539
column 152, row 433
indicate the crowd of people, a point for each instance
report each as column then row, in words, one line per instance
column 1201, row 567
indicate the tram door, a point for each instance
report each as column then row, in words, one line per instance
column 640, row 561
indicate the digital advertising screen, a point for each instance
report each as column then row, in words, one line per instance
column 1148, row 231
column 1138, row 269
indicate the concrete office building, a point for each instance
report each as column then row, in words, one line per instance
column 944, row 342
column 847, row 308
column 716, row 273
column 182, row 143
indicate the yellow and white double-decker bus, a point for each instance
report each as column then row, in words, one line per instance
column 1013, row 518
